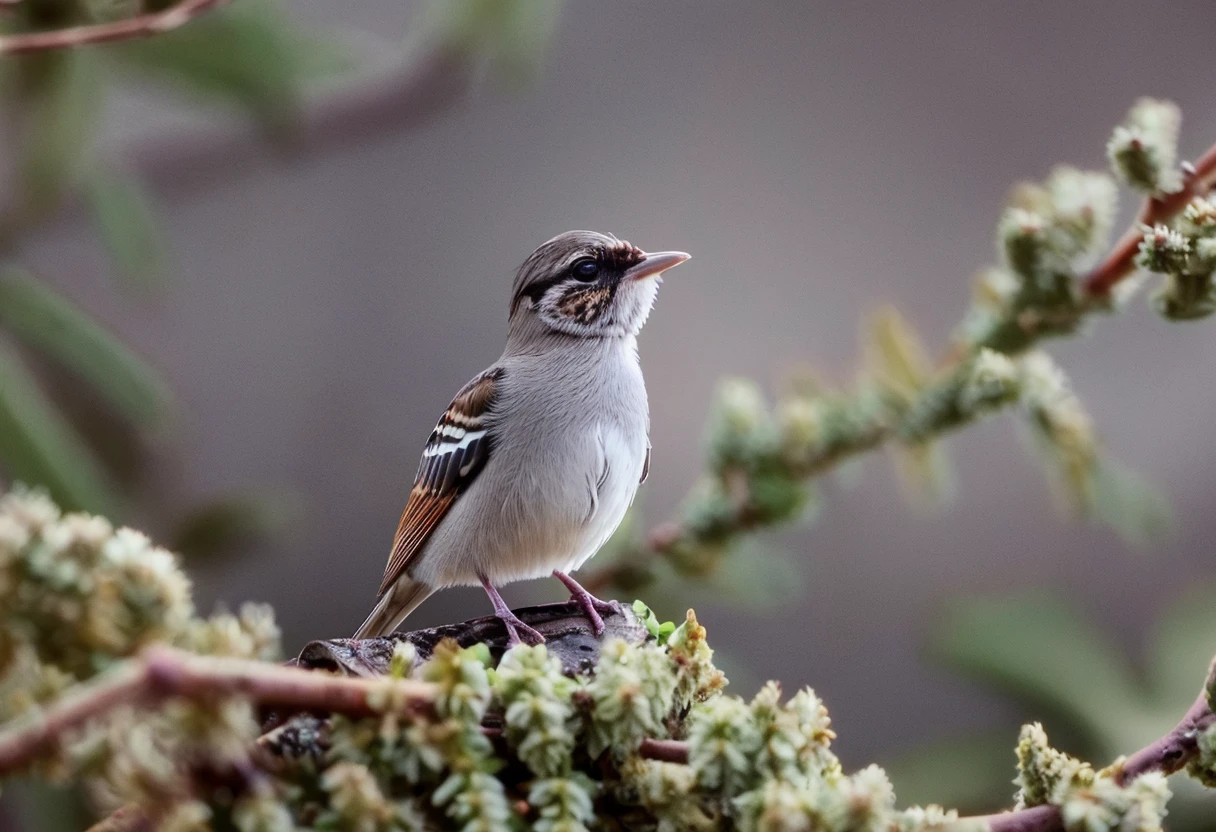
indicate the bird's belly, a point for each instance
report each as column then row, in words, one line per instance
column 542, row 523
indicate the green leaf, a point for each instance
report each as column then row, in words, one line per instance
column 39, row 447
column 1136, row 508
column 1041, row 649
column 756, row 575
column 47, row 321
column 1185, row 643
column 234, row 522
column 63, row 96
column 249, row 54
column 127, row 224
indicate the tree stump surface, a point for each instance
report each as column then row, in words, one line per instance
column 568, row 636
column 567, row 633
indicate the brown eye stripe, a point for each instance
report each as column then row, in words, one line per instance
column 586, row 305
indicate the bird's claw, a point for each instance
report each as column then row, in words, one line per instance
column 592, row 606
column 520, row 633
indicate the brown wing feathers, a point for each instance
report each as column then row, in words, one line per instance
column 453, row 457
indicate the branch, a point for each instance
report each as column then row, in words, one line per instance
column 141, row 26
column 164, row 672
column 1167, row 755
column 1173, row 751
column 1121, row 261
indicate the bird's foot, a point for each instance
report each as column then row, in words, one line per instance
column 517, row 631
column 592, row 606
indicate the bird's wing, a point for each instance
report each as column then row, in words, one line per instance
column 453, row 457
column 645, row 464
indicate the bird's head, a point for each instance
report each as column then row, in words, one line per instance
column 587, row 285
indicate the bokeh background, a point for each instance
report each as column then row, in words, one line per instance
column 330, row 292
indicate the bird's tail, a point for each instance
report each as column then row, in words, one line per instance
column 394, row 605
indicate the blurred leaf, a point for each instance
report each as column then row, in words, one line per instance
column 895, row 355
column 513, row 35
column 46, row 320
column 234, row 522
column 127, row 224
column 970, row 773
column 63, row 98
column 1185, row 644
column 756, row 576
column 38, row 447
column 925, row 474
column 249, row 54
column 1038, row 647
column 1135, row 507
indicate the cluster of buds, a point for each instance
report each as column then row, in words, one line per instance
column 1186, row 255
column 1089, row 801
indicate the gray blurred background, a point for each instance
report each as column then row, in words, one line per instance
column 817, row 161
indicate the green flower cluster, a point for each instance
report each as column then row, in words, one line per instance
column 77, row 595
column 1185, row 253
column 1143, row 151
column 1089, row 801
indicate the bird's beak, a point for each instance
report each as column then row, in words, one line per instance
column 655, row 264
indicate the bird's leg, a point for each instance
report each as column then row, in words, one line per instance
column 592, row 606
column 517, row 631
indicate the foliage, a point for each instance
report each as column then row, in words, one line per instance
column 1049, row 281
column 78, row 597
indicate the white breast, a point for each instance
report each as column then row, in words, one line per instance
column 559, row 480
column 621, row 470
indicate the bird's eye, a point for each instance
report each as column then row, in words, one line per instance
column 586, row 270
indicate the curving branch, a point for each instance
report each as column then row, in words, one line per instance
column 140, row 26
column 1173, row 751
column 1167, row 755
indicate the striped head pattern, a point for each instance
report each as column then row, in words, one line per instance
column 589, row 285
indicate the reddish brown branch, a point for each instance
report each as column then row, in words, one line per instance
column 1121, row 261
column 1166, row 755
column 141, row 26
column 1175, row 749
column 163, row 672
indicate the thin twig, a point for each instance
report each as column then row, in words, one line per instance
column 163, row 672
column 1121, row 261
column 141, row 26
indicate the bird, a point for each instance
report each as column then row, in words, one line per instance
column 534, row 463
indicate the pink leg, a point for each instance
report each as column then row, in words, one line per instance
column 592, row 606
column 517, row 631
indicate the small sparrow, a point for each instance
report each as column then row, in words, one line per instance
column 534, row 463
